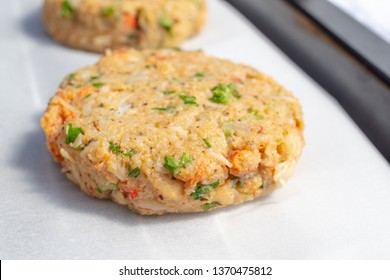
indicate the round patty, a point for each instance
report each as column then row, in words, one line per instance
column 171, row 131
column 95, row 25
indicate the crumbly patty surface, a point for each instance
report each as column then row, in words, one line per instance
column 95, row 25
column 170, row 131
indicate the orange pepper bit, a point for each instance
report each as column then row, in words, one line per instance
column 55, row 152
column 67, row 114
column 201, row 172
column 237, row 80
column 122, row 52
column 91, row 188
column 130, row 21
column 131, row 193
column 66, row 95
column 84, row 91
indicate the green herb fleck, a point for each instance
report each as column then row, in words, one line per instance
column 108, row 11
column 166, row 109
column 222, row 93
column 207, row 143
column 200, row 75
column 236, row 94
column 106, row 187
column 130, row 153
column 87, row 96
column 185, row 160
column 177, row 49
column 228, row 128
column 113, row 147
column 135, row 172
column 71, row 133
column 188, row 99
column 236, row 180
column 98, row 84
column 166, row 23
column 172, row 165
column 67, row 10
column 94, row 77
column 133, row 37
column 210, row 205
column 201, row 190
column 71, row 76
column 256, row 114
column 169, row 92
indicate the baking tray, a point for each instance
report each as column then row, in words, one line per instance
column 336, row 51
column 335, row 207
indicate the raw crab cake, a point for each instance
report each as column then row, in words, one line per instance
column 165, row 131
column 95, row 25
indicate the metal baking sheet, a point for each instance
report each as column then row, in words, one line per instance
column 335, row 207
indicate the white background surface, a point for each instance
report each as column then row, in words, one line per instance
column 374, row 14
column 337, row 206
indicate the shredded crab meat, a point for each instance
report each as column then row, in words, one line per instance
column 105, row 89
column 66, row 155
column 139, row 76
column 283, row 171
column 67, row 105
column 181, row 131
column 78, row 142
column 124, row 108
column 119, row 171
column 151, row 205
column 220, row 158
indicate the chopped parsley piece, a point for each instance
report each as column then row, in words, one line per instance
column 207, row 143
column 256, row 114
column 177, row 49
column 114, row 147
column 166, row 23
column 87, row 96
column 200, row 75
column 236, row 94
column 201, row 190
column 71, row 76
column 95, row 77
column 134, row 172
column 169, row 92
column 185, row 160
column 172, row 165
column 72, row 133
column 222, row 93
column 236, row 180
column 228, row 128
column 166, row 109
column 108, row 11
column 133, row 37
column 106, row 187
column 130, row 153
column 67, row 10
column 210, row 205
column 98, row 84
column 188, row 99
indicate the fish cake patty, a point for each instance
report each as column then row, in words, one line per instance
column 165, row 131
column 95, row 25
